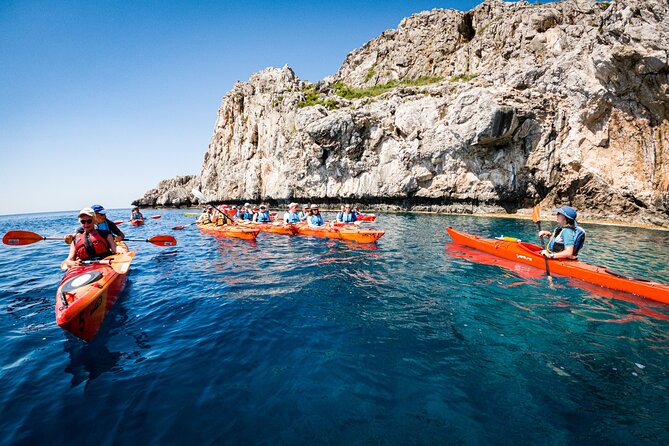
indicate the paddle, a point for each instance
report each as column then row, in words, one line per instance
column 536, row 217
column 203, row 199
column 155, row 216
column 118, row 222
column 20, row 238
column 160, row 240
column 184, row 226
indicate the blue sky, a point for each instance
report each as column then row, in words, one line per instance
column 101, row 100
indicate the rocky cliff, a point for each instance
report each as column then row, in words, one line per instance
column 489, row 110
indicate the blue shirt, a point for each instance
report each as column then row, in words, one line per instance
column 316, row 220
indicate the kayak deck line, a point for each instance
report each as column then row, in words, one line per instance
column 529, row 254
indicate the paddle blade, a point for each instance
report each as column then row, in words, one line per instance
column 199, row 195
column 155, row 216
column 178, row 227
column 536, row 213
column 163, row 240
column 118, row 222
column 19, row 238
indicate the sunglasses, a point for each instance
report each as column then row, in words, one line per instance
column 85, row 222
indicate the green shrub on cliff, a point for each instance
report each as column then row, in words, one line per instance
column 348, row 92
column 312, row 97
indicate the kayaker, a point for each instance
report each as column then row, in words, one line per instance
column 347, row 215
column 135, row 214
column 304, row 213
column 221, row 217
column 245, row 212
column 315, row 219
column 263, row 215
column 105, row 224
column 89, row 243
column 291, row 217
column 567, row 239
column 207, row 215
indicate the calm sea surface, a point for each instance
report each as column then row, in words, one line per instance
column 298, row 340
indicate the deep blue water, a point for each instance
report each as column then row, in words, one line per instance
column 297, row 340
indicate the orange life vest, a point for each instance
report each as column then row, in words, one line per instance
column 91, row 246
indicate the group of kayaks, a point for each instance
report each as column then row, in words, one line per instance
column 250, row 230
column 86, row 293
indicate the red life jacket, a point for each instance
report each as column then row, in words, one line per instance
column 93, row 247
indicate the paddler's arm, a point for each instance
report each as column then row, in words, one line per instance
column 70, row 260
column 112, row 243
column 564, row 254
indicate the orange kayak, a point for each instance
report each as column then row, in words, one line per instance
column 87, row 292
column 275, row 228
column 353, row 234
column 237, row 231
column 529, row 254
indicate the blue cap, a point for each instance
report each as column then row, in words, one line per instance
column 99, row 209
column 568, row 212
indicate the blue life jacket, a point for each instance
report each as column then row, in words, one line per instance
column 247, row 216
column 104, row 226
column 317, row 220
column 347, row 218
column 263, row 217
column 293, row 217
column 137, row 216
column 303, row 215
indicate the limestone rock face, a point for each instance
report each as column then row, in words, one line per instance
column 493, row 109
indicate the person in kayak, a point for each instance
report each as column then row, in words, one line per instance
column 567, row 239
column 207, row 215
column 221, row 217
column 245, row 213
column 262, row 216
column 105, row 224
column 347, row 215
column 102, row 223
column 291, row 217
column 315, row 219
column 304, row 213
column 135, row 214
column 89, row 243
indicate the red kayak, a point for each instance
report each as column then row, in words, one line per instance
column 365, row 217
column 138, row 222
column 86, row 293
column 529, row 254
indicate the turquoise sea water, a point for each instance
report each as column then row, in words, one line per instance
column 298, row 340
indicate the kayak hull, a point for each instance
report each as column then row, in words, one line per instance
column 272, row 228
column 341, row 233
column 86, row 294
column 529, row 254
column 236, row 231
column 139, row 222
